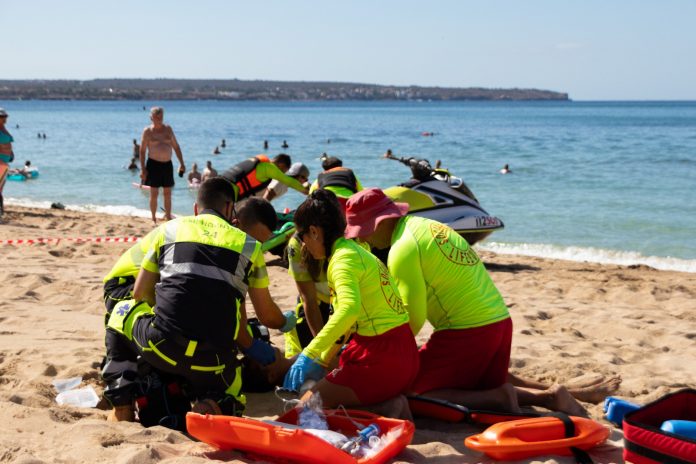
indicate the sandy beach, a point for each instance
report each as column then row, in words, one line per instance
column 573, row 322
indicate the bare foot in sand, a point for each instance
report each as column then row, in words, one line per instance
column 585, row 380
column 596, row 393
column 563, row 401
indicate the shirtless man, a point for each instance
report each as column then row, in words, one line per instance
column 158, row 141
column 209, row 171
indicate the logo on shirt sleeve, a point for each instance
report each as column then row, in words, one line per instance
column 391, row 294
column 451, row 247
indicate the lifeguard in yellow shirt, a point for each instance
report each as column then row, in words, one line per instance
column 381, row 359
column 442, row 279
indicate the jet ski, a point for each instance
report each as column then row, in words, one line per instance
column 434, row 193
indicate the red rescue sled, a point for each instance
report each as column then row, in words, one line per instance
column 525, row 438
column 296, row 445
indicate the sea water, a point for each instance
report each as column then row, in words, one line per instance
column 611, row 182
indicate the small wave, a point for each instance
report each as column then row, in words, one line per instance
column 115, row 210
column 594, row 255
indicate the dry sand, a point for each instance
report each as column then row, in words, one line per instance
column 572, row 320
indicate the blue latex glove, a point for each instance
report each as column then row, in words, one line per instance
column 290, row 321
column 303, row 369
column 260, row 351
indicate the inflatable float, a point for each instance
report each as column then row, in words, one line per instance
column 16, row 176
column 292, row 444
column 451, row 412
column 525, row 438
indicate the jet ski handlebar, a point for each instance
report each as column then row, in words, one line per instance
column 420, row 168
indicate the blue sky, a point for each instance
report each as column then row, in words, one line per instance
column 594, row 50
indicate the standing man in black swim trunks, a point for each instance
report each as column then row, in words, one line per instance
column 158, row 141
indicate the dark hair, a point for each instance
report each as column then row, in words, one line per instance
column 214, row 193
column 330, row 162
column 282, row 159
column 320, row 209
column 255, row 209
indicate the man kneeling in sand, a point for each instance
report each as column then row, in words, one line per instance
column 203, row 267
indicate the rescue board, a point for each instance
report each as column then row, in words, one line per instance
column 293, row 444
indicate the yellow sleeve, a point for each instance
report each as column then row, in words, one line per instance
column 358, row 185
column 404, row 265
column 258, row 275
column 151, row 259
column 265, row 171
column 314, row 186
column 344, row 279
column 296, row 269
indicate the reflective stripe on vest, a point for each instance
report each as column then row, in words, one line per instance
column 169, row 268
column 338, row 177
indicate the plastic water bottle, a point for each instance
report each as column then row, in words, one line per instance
column 684, row 428
column 312, row 418
column 353, row 445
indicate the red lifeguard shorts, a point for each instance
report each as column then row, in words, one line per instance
column 468, row 359
column 380, row 367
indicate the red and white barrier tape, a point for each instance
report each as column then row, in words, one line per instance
column 33, row 241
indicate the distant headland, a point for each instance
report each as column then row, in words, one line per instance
column 235, row 89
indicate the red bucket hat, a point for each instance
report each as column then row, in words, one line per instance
column 367, row 208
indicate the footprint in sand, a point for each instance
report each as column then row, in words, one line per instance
column 661, row 294
column 50, row 371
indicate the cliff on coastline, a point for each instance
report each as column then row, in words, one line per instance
column 234, row 89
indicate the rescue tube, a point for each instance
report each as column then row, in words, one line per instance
column 451, row 412
column 538, row 436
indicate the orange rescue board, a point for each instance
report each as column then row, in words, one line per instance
column 296, row 445
column 525, row 438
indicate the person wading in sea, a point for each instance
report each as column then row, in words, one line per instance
column 157, row 143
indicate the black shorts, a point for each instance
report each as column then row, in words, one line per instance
column 159, row 174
